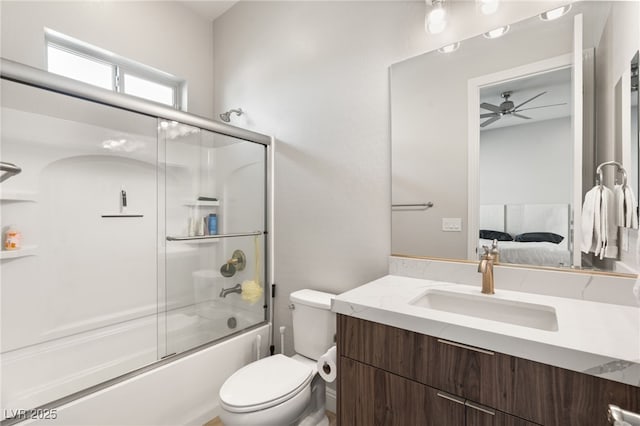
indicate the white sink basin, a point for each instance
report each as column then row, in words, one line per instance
column 489, row 307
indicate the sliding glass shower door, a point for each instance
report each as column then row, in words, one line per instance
column 136, row 238
column 79, row 293
column 214, row 222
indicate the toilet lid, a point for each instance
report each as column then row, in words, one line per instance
column 264, row 383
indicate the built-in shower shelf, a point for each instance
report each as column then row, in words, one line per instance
column 210, row 238
column 202, row 203
column 18, row 196
column 23, row 252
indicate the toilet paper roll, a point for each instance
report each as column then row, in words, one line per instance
column 327, row 365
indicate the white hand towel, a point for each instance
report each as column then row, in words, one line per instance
column 618, row 194
column 589, row 207
column 609, row 226
column 631, row 208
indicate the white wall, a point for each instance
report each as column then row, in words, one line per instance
column 527, row 163
column 315, row 75
column 619, row 42
column 161, row 34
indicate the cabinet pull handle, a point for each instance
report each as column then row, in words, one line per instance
column 480, row 408
column 471, row 348
column 455, row 399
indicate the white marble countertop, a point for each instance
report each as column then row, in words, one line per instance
column 600, row 339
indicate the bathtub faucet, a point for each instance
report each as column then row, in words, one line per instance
column 235, row 289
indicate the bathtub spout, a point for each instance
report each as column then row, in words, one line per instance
column 235, row 289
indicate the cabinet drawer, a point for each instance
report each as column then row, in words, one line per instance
column 461, row 370
column 369, row 396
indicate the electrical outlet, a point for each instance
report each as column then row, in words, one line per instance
column 452, row 224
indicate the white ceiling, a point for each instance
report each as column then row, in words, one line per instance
column 557, row 84
column 209, row 9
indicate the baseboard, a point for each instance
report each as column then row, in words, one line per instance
column 331, row 400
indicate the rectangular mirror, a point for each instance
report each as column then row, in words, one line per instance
column 539, row 140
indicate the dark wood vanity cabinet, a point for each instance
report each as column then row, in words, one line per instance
column 391, row 376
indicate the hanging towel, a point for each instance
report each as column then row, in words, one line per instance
column 631, row 208
column 618, row 194
column 590, row 232
column 609, row 227
column 626, row 207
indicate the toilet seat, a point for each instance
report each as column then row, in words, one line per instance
column 264, row 384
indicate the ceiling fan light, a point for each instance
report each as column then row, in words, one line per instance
column 556, row 13
column 498, row 32
column 449, row 48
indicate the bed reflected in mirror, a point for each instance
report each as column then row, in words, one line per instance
column 525, row 168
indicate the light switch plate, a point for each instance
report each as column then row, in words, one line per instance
column 452, row 224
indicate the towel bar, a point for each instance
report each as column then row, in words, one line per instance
column 599, row 179
column 425, row 206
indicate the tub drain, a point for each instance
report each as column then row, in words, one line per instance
column 232, row 322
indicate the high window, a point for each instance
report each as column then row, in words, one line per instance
column 83, row 62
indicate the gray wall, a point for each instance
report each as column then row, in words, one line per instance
column 315, row 75
column 161, row 34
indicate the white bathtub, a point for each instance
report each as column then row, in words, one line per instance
column 38, row 374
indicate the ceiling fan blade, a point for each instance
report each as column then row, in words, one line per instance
column 521, row 116
column 529, row 100
column 490, row 107
column 489, row 121
column 489, row 114
column 543, row 106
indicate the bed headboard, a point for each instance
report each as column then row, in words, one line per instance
column 492, row 217
column 520, row 218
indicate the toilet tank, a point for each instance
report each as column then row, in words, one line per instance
column 314, row 325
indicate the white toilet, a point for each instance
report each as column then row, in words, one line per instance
column 280, row 390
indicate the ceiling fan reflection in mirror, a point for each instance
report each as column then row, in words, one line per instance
column 508, row 108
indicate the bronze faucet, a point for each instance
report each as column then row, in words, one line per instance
column 486, row 268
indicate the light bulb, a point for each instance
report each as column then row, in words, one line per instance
column 489, row 7
column 550, row 15
column 438, row 14
column 498, row 32
column 449, row 48
column 436, row 28
column 436, row 20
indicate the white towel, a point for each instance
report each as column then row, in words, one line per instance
column 631, row 208
column 609, row 227
column 590, row 232
column 618, row 193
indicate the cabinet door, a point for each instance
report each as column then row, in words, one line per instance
column 370, row 396
column 479, row 415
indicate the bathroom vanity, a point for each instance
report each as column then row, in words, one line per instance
column 409, row 356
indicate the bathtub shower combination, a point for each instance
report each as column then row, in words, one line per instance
column 141, row 235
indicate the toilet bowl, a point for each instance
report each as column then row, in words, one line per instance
column 280, row 390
